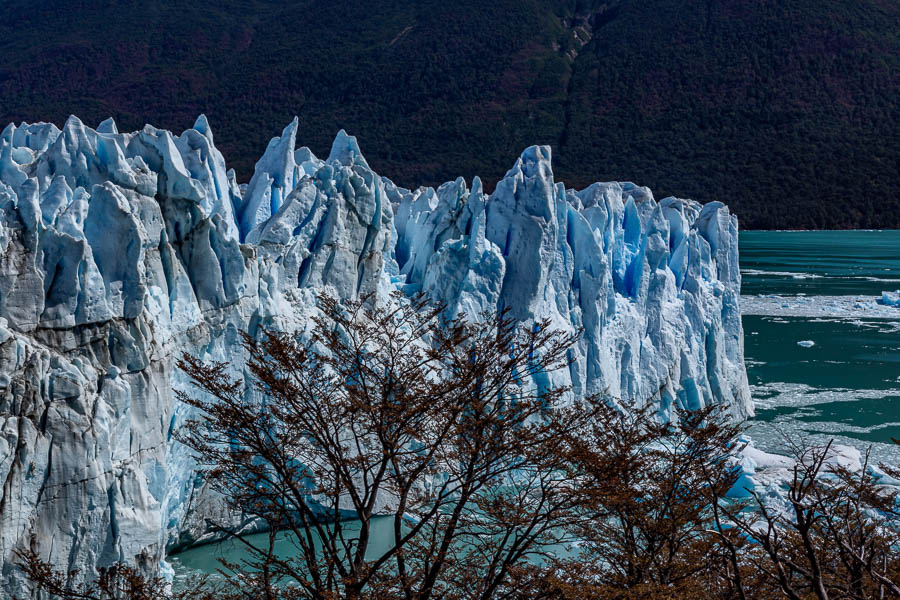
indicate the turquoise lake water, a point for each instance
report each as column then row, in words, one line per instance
column 822, row 287
column 843, row 383
column 205, row 559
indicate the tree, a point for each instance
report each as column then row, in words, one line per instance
column 391, row 410
column 119, row 581
column 836, row 534
column 652, row 494
column 663, row 527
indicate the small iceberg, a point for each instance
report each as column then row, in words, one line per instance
column 890, row 298
column 806, row 343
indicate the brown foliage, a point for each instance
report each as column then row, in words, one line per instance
column 663, row 527
column 839, row 536
column 653, row 494
column 119, row 581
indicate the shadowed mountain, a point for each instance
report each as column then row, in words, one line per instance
column 787, row 111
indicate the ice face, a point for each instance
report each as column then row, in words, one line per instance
column 118, row 251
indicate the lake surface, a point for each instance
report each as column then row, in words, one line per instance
column 205, row 559
column 822, row 287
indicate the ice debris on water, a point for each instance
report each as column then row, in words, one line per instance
column 817, row 306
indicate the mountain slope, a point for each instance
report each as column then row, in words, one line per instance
column 786, row 110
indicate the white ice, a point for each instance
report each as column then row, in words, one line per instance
column 118, row 251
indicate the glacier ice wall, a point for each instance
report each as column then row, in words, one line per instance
column 120, row 250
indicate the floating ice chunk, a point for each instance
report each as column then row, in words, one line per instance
column 883, row 478
column 806, row 343
column 890, row 298
column 766, row 460
column 845, row 456
column 751, row 462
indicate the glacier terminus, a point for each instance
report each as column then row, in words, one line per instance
column 119, row 251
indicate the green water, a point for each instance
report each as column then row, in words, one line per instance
column 846, row 385
column 825, row 263
column 205, row 559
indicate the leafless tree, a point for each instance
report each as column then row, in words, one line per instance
column 837, row 535
column 391, row 410
column 114, row 583
column 653, row 491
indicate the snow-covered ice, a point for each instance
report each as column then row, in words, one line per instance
column 769, row 475
column 120, row 250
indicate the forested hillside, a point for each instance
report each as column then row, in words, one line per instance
column 787, row 110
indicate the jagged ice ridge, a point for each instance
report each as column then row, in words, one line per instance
column 118, row 251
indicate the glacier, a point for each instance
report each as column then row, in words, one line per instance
column 118, row 251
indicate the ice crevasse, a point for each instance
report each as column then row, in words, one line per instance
column 118, row 251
